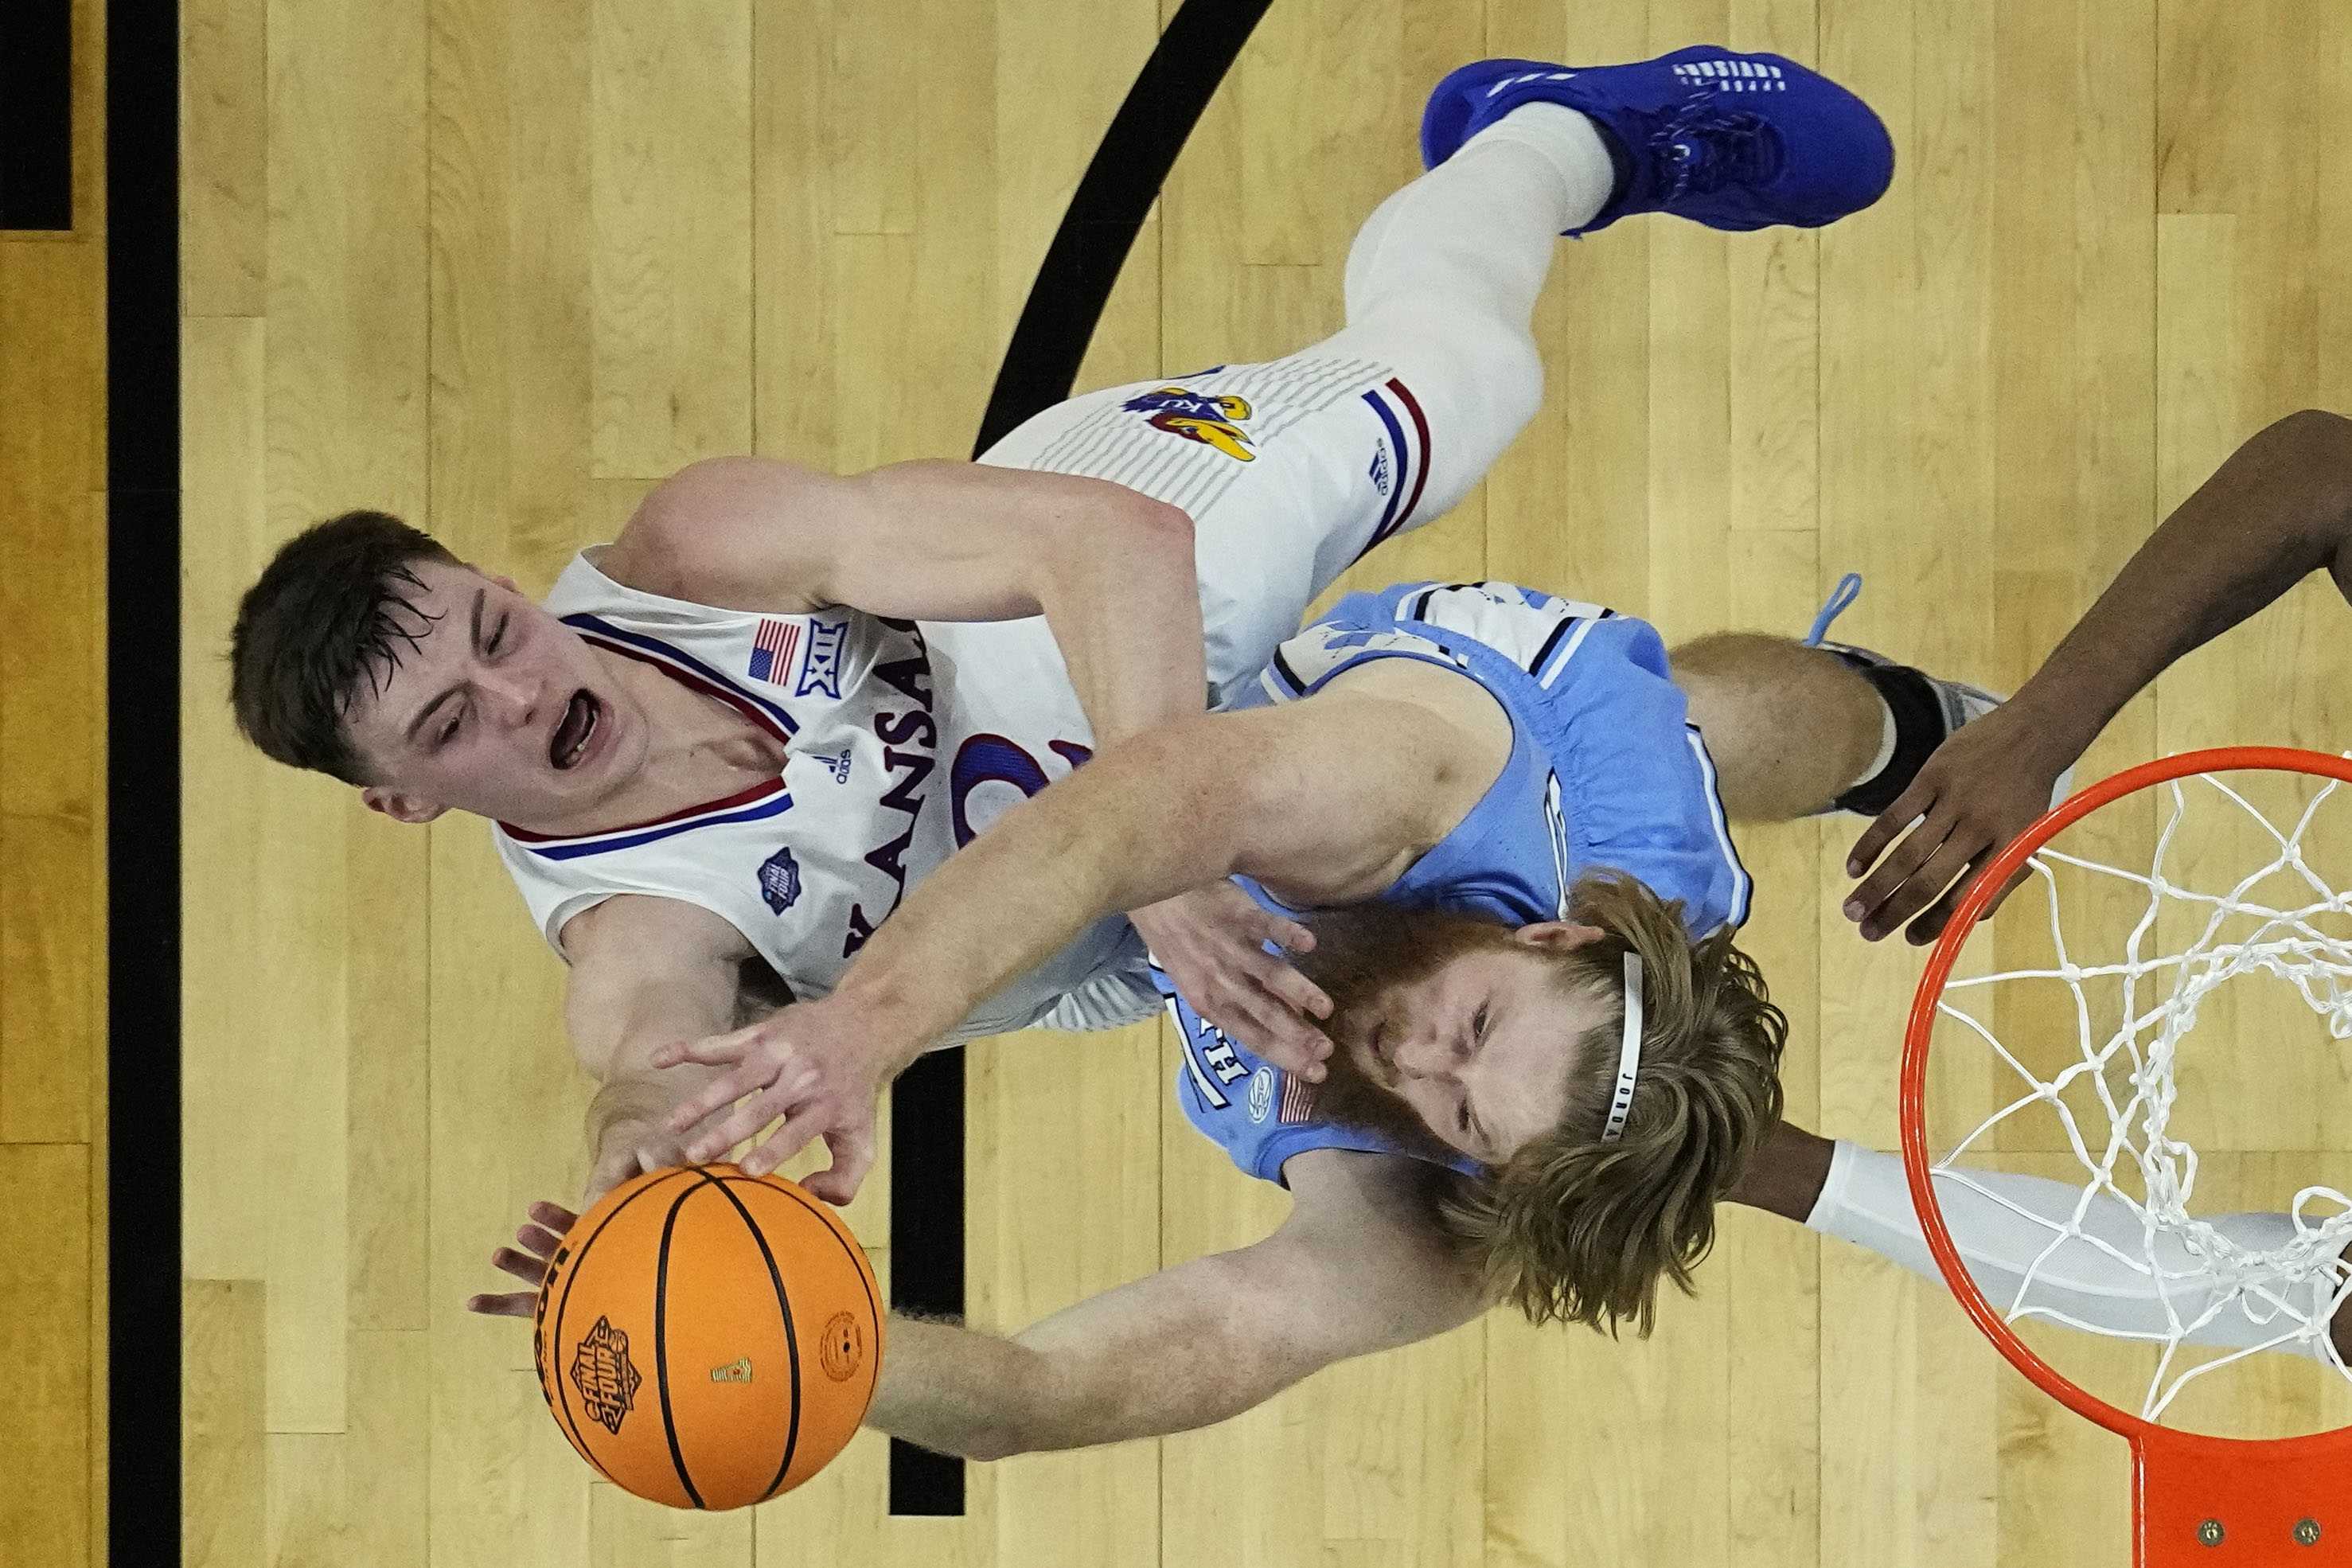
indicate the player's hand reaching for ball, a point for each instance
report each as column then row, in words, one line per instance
column 527, row 1260
column 1989, row 782
column 820, row 1065
column 1212, row 942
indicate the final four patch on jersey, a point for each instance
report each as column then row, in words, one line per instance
column 780, row 880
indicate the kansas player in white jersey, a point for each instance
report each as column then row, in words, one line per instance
column 676, row 818
column 873, row 719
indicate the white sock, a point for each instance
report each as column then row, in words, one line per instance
column 1572, row 143
column 1476, row 233
column 1886, row 746
column 1867, row 1201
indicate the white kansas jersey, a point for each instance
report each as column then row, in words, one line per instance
column 902, row 740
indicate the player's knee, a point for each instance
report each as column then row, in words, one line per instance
column 1480, row 393
column 1502, row 372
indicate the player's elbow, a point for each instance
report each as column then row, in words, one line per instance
column 1130, row 534
column 2319, row 445
column 2315, row 424
column 996, row 1443
column 2316, row 446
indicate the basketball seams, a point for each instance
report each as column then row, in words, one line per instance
column 655, row 1230
column 857, row 1261
column 555, row 1366
column 784, row 1308
column 661, row 1333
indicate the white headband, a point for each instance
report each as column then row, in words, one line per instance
column 1629, row 1058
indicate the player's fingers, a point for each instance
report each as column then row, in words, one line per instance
column 1952, row 859
column 716, row 1050
column 537, row 1241
column 1295, row 991
column 555, row 1217
column 521, row 1265
column 1916, row 801
column 1278, row 1034
column 1929, row 925
column 1894, row 869
column 747, row 1117
column 1287, row 935
column 791, row 1136
column 852, row 1157
column 520, row 1305
column 724, row 1091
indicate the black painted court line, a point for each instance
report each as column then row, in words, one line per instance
column 142, row 767
column 1040, row 367
column 37, row 114
column 1107, row 209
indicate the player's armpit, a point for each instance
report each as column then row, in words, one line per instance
column 1361, row 1266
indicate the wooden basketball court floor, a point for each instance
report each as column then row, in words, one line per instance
column 499, row 265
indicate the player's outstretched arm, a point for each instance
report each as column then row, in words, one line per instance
column 1330, row 799
column 1359, row 1266
column 646, row 972
column 1111, row 570
column 2277, row 511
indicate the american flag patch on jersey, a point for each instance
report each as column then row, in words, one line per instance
column 771, row 650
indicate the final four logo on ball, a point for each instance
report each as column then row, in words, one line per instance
column 1212, row 419
column 606, row 1379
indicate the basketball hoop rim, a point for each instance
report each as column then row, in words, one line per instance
column 2145, row 1434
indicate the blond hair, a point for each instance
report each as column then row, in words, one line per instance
column 1581, row 1231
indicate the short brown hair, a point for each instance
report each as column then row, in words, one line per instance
column 332, row 609
column 1581, row 1231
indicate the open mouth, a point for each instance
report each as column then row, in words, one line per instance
column 581, row 717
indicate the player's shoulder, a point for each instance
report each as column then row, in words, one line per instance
column 647, row 930
column 700, row 534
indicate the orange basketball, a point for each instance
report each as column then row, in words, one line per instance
column 708, row 1339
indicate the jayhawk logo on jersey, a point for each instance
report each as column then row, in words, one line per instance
column 1212, row 419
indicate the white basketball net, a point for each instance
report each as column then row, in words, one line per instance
column 2295, row 1288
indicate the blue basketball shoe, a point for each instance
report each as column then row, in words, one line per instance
column 1727, row 139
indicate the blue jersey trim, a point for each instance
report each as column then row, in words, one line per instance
column 775, row 805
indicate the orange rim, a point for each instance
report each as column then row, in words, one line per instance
column 2147, row 1437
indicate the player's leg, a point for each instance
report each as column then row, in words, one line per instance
column 1292, row 469
column 1863, row 1196
column 1442, row 280
column 1799, row 728
column 1791, row 728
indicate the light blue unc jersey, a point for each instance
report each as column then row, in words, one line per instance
column 1606, row 772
